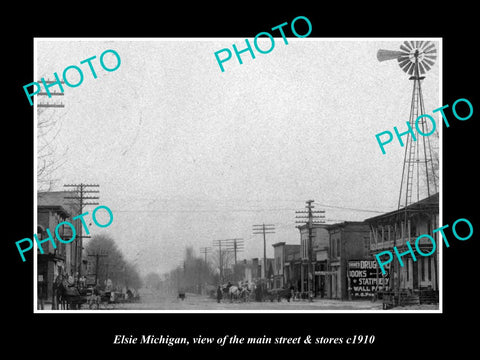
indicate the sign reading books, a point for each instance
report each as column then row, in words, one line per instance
column 365, row 276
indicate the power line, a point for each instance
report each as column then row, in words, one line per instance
column 350, row 208
column 240, row 210
column 53, row 93
column 130, row 198
column 228, row 245
column 205, row 251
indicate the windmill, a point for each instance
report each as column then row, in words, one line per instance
column 415, row 58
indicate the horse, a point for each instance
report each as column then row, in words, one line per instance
column 67, row 296
column 240, row 292
column 226, row 290
column 60, row 289
column 246, row 294
column 234, row 292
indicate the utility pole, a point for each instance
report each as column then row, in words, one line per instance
column 309, row 219
column 54, row 93
column 228, row 245
column 235, row 245
column 205, row 250
column 81, row 190
column 264, row 229
column 106, row 270
column 220, row 258
column 97, row 256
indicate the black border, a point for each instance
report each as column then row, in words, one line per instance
column 395, row 333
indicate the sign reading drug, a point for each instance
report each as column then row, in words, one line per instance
column 363, row 278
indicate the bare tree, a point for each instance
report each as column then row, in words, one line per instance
column 223, row 260
column 48, row 157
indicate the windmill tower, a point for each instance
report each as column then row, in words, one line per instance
column 419, row 174
column 419, row 178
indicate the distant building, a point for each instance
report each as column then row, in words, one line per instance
column 247, row 270
column 268, row 271
column 293, row 267
column 283, row 254
column 320, row 244
column 348, row 240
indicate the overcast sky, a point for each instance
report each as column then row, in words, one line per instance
column 185, row 154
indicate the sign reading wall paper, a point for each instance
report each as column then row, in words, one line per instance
column 363, row 278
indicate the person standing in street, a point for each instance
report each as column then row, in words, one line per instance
column 219, row 294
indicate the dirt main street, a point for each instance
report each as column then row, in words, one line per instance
column 151, row 300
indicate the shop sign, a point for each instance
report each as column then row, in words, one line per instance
column 363, row 278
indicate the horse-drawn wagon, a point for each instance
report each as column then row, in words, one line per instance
column 72, row 297
column 279, row 294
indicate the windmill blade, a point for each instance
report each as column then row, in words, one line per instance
column 422, row 70
column 428, row 61
column 410, row 71
column 383, row 55
column 403, row 62
column 408, row 46
column 404, row 48
column 429, row 47
column 407, row 67
column 415, row 56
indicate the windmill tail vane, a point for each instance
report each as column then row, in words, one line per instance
column 413, row 57
column 383, row 55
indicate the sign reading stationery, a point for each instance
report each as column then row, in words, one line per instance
column 363, row 278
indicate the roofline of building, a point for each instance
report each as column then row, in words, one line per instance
column 58, row 208
column 318, row 226
column 344, row 223
column 431, row 201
